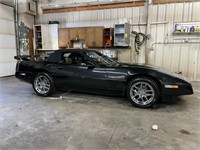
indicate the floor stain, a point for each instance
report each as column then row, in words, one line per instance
column 184, row 132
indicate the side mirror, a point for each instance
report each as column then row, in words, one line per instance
column 90, row 65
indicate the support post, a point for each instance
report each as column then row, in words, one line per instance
column 16, row 18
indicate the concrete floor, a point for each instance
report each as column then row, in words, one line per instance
column 84, row 121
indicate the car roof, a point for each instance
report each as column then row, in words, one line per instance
column 72, row 50
column 56, row 56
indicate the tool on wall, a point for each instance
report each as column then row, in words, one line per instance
column 140, row 39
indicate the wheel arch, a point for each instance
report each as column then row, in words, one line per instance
column 51, row 81
column 147, row 76
column 37, row 72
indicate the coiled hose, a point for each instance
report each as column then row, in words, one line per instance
column 140, row 39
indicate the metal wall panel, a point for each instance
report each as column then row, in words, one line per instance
column 114, row 14
column 94, row 15
column 198, row 66
column 175, row 57
column 195, row 11
column 107, row 14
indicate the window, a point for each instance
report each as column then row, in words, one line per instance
column 101, row 59
column 73, row 58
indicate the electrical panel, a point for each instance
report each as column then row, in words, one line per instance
column 122, row 35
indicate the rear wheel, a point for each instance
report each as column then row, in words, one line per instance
column 43, row 84
column 142, row 92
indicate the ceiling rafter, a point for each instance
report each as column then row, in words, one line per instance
column 172, row 1
column 92, row 6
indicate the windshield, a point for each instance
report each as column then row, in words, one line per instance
column 101, row 59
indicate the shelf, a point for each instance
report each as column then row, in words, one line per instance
column 122, row 24
column 119, row 33
column 186, row 33
column 39, row 49
column 108, row 38
column 184, row 28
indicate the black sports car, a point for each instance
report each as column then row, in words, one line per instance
column 90, row 71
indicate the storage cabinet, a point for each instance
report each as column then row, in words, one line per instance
column 73, row 34
column 77, row 33
column 122, row 35
column 64, row 38
column 108, row 37
column 99, row 34
column 90, row 38
column 46, row 37
column 37, row 37
column 93, row 36
column 81, row 33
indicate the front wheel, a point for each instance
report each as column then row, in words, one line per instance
column 142, row 92
column 43, row 84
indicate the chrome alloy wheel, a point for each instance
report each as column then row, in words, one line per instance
column 142, row 93
column 42, row 84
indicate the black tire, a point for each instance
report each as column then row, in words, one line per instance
column 142, row 92
column 43, row 84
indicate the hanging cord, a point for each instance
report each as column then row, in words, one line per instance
column 140, row 39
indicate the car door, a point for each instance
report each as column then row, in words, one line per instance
column 74, row 74
column 116, row 78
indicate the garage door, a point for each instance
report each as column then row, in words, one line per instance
column 7, row 41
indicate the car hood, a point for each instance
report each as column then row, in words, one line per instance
column 145, row 66
column 155, row 68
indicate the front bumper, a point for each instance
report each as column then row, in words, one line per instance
column 183, row 89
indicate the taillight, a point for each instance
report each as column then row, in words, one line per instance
column 22, row 73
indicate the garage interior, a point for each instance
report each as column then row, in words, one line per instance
column 169, row 38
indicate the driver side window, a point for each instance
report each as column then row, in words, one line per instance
column 74, row 58
column 89, row 63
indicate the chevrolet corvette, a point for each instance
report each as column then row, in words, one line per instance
column 90, row 71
